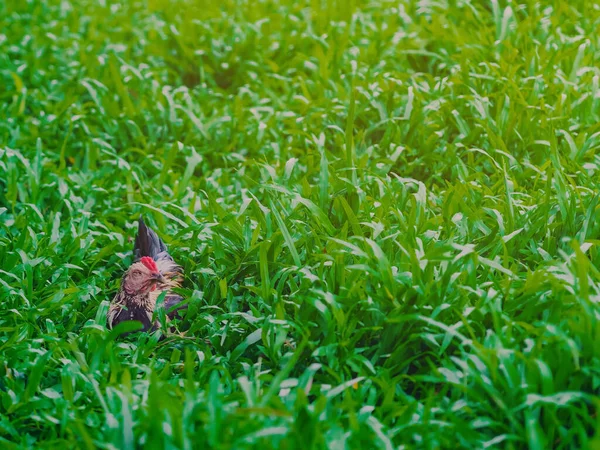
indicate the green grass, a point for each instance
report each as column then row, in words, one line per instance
column 386, row 211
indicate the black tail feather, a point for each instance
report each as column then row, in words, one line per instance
column 147, row 243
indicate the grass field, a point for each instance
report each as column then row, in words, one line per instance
column 386, row 211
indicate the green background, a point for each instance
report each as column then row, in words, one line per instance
column 386, row 211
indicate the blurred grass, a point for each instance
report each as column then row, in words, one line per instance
column 385, row 210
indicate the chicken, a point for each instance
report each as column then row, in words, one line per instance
column 153, row 272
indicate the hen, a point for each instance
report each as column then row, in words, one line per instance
column 153, row 272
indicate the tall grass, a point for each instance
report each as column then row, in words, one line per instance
column 385, row 211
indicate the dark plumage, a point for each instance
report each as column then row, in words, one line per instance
column 147, row 243
column 154, row 271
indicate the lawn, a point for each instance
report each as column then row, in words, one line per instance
column 386, row 212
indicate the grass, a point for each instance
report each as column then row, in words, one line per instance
column 386, row 212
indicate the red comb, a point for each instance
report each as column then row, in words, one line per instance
column 149, row 263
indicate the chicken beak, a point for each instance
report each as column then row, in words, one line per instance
column 159, row 278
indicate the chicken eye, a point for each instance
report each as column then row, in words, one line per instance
column 136, row 273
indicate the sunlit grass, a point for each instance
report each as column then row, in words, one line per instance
column 386, row 212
